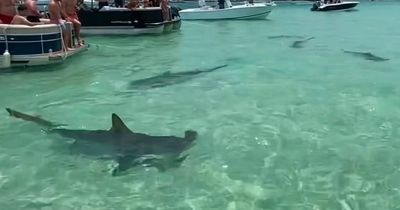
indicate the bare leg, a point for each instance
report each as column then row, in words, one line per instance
column 77, row 28
column 19, row 20
column 67, row 39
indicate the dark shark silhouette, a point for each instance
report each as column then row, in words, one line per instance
column 299, row 44
column 366, row 55
column 285, row 37
column 119, row 142
column 168, row 78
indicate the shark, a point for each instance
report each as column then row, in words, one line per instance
column 366, row 55
column 126, row 147
column 168, row 78
column 299, row 44
column 285, row 37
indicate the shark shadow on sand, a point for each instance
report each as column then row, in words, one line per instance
column 299, row 44
column 128, row 148
column 168, row 78
column 366, row 55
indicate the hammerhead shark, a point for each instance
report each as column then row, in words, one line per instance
column 299, row 44
column 168, row 78
column 128, row 148
column 367, row 56
column 285, row 37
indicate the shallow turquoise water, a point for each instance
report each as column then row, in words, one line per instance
column 280, row 127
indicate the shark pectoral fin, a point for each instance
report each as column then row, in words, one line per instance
column 118, row 126
column 124, row 163
column 168, row 162
column 180, row 160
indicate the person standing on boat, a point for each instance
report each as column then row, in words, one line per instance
column 8, row 14
column 70, row 7
column 165, row 10
column 221, row 4
column 56, row 15
column 103, row 3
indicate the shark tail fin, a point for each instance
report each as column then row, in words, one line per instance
column 31, row 118
column 190, row 135
column 216, row 68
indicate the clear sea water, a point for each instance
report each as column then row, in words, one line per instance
column 279, row 128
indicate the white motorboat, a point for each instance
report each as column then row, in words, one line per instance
column 243, row 11
column 336, row 5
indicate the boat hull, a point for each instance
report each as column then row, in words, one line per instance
column 122, row 21
column 31, row 46
column 247, row 11
column 332, row 7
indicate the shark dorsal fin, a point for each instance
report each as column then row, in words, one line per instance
column 118, row 126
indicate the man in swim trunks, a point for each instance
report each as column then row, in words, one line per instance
column 56, row 15
column 8, row 14
column 70, row 7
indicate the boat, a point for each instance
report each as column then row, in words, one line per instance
column 241, row 11
column 329, row 6
column 123, row 21
column 22, row 45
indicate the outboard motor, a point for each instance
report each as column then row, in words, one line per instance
column 314, row 7
column 175, row 11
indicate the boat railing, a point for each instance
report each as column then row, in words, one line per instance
column 7, row 30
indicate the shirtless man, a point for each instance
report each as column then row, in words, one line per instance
column 70, row 7
column 8, row 14
column 56, row 14
column 33, row 11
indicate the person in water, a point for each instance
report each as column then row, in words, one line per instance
column 70, row 7
column 8, row 14
column 56, row 15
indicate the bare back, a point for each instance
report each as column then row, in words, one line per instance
column 32, row 7
column 55, row 11
column 7, row 7
column 69, row 6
